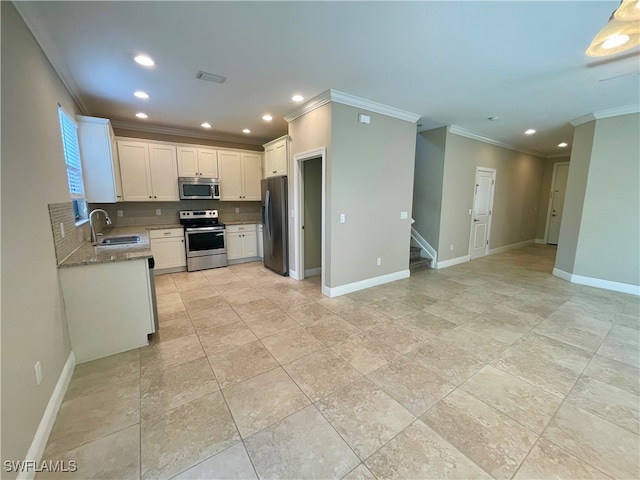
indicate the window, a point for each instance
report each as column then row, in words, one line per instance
column 69, row 130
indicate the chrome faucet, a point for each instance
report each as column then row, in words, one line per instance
column 93, row 230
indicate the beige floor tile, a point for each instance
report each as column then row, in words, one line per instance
column 332, row 329
column 86, row 418
column 269, row 323
column 254, row 310
column 363, row 316
column 620, row 350
column 292, row 344
column 490, row 439
column 170, row 330
column 428, row 323
column 165, row 287
column 189, row 280
column 206, row 304
column 365, row 416
column 182, row 437
column 171, row 310
column 170, row 353
column 321, row 373
column 544, row 362
column 309, row 314
column 242, row 296
column 448, row 361
column 618, row 406
column 171, row 387
column 225, row 337
column 213, row 318
column 598, row 442
column 365, row 352
column 399, row 337
column 451, row 312
column 628, row 335
column 530, row 406
column 200, row 292
column 99, row 374
column 167, row 299
column 503, row 326
column 263, row 400
column 232, row 463
column 241, row 363
column 302, row 446
column 582, row 332
column 620, row 375
column 419, row 452
column 177, row 316
column 547, row 460
column 367, row 296
column 480, row 347
column 361, row 472
column 416, row 300
column 393, row 308
column 116, row 455
column 411, row 385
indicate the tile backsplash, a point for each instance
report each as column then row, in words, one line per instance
column 62, row 213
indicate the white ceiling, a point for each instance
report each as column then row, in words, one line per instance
column 450, row 62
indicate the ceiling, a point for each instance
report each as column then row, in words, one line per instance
column 450, row 62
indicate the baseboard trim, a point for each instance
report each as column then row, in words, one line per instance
column 506, row 248
column 293, row 274
column 362, row 284
column 312, row 272
column 36, row 450
column 541, row 241
column 452, row 262
column 598, row 282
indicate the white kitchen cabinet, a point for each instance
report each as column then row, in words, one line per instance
column 100, row 163
column 241, row 243
column 149, row 171
column 195, row 161
column 240, row 175
column 276, row 155
column 168, row 249
column 109, row 307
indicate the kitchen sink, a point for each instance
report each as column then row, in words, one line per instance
column 119, row 240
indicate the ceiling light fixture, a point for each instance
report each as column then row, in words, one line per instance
column 267, row 117
column 141, row 94
column 246, row 130
column 628, row 11
column 205, row 125
column 210, row 77
column 144, row 60
column 531, row 131
column 617, row 35
column 142, row 115
column 563, row 144
column 297, row 98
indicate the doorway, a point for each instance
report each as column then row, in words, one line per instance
column 311, row 217
column 482, row 211
column 556, row 201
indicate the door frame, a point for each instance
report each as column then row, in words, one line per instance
column 298, row 195
column 551, row 195
column 492, row 171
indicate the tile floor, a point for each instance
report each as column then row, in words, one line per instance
column 490, row 369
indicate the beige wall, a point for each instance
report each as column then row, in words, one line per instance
column 121, row 132
column 427, row 184
column 313, row 213
column 33, row 175
column 371, row 182
column 545, row 195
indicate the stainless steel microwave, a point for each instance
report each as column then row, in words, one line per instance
column 199, row 188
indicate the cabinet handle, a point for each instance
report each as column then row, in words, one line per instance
column 155, row 196
column 167, row 233
column 275, row 171
column 149, row 196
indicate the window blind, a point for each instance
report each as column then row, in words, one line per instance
column 71, row 148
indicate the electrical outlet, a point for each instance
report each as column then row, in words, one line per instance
column 120, row 213
column 237, row 209
column 451, row 247
column 158, row 211
column 379, row 261
column 62, row 229
column 38, row 369
column 343, row 218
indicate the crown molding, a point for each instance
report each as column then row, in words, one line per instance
column 42, row 36
column 456, row 130
column 182, row 132
column 610, row 112
column 353, row 101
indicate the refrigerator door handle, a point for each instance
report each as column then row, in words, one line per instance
column 267, row 214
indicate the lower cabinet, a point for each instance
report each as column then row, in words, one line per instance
column 242, row 244
column 260, row 241
column 168, row 249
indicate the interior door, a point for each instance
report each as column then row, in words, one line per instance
column 481, row 213
column 558, row 192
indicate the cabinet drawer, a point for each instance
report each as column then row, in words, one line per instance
column 166, row 233
column 245, row 228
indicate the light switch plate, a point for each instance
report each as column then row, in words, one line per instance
column 404, row 215
column 343, row 218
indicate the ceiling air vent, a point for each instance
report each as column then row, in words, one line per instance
column 210, row 77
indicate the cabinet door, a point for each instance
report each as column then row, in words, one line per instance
column 251, row 176
column 269, row 168
column 249, row 244
column 279, row 162
column 164, row 172
column 169, row 252
column 230, row 176
column 233, row 245
column 134, row 168
column 187, row 161
column 208, row 161
column 98, row 160
column 116, row 167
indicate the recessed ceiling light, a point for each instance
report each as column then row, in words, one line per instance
column 145, row 60
column 563, row 144
column 205, row 125
column 267, row 117
column 246, row 130
column 531, row 131
column 142, row 115
column 140, row 94
column 297, row 98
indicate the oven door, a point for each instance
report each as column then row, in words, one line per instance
column 203, row 241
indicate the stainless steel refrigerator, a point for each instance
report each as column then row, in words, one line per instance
column 274, row 224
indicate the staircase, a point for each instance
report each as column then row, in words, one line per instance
column 416, row 262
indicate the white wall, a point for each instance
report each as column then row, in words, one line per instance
column 33, row 175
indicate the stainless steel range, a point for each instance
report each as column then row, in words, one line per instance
column 205, row 239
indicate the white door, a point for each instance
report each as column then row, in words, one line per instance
column 481, row 212
column 558, row 191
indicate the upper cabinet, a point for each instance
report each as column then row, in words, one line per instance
column 240, row 175
column 194, row 161
column 276, row 155
column 100, row 164
column 149, row 171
